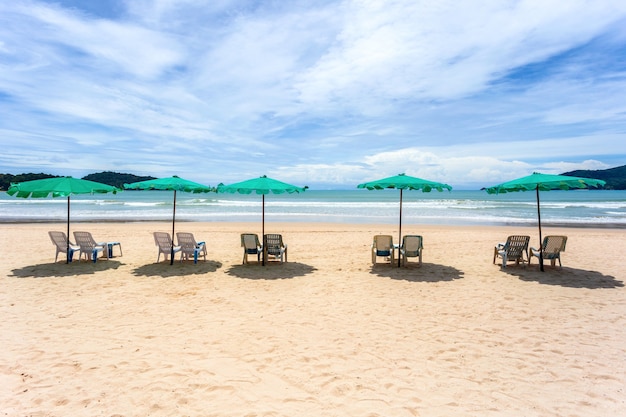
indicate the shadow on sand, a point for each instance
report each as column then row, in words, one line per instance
column 412, row 272
column 566, row 277
column 165, row 270
column 61, row 269
column 271, row 270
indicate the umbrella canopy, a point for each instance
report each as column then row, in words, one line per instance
column 60, row 187
column 404, row 182
column 262, row 185
column 543, row 182
column 175, row 184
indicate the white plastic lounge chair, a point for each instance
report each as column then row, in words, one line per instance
column 273, row 246
column 189, row 247
column 550, row 249
column 512, row 251
column 89, row 247
column 412, row 247
column 382, row 246
column 251, row 246
column 60, row 242
column 164, row 241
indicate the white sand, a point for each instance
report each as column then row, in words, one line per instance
column 325, row 334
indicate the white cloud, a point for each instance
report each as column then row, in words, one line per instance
column 127, row 47
column 328, row 92
column 444, row 50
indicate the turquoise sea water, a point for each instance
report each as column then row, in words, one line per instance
column 596, row 208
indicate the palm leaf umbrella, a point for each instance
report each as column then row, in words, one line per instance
column 262, row 185
column 543, row 182
column 175, row 184
column 60, row 187
column 404, row 182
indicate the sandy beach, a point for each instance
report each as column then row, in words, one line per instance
column 325, row 334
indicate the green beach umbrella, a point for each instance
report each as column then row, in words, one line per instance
column 175, row 184
column 543, row 182
column 262, row 185
column 404, row 182
column 60, row 187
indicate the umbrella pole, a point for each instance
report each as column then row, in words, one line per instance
column 173, row 223
column 399, row 229
column 263, row 230
column 67, row 248
column 540, row 238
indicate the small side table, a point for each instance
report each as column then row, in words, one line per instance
column 110, row 246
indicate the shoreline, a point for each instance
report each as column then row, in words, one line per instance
column 609, row 226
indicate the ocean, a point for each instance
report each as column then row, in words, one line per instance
column 575, row 208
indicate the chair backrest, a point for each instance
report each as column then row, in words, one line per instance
column 85, row 240
column 186, row 240
column 383, row 244
column 163, row 240
column 412, row 244
column 516, row 245
column 274, row 243
column 59, row 239
column 250, row 241
column 554, row 244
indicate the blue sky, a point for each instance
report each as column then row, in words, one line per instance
column 324, row 93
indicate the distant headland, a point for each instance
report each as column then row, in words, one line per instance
column 615, row 177
column 115, row 179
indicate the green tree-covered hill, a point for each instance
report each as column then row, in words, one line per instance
column 7, row 179
column 107, row 177
column 615, row 177
column 115, row 179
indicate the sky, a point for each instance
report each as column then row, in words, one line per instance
column 322, row 93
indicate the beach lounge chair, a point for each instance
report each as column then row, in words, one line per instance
column 60, row 242
column 550, row 249
column 189, row 247
column 273, row 246
column 512, row 251
column 89, row 247
column 164, row 242
column 251, row 246
column 412, row 247
column 382, row 246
